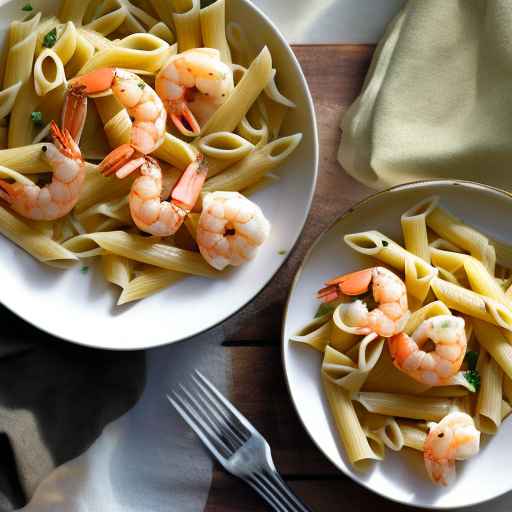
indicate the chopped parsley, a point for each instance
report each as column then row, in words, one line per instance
column 471, row 358
column 27, row 8
column 282, row 252
column 50, row 39
column 473, row 377
column 385, row 243
column 324, row 309
column 37, row 118
column 445, row 324
column 141, row 85
column 84, row 270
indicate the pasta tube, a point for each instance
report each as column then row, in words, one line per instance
column 213, row 29
column 230, row 113
column 39, row 246
column 488, row 407
column 256, row 165
column 454, row 230
column 405, row 406
column 148, row 282
column 497, row 342
column 141, row 249
column 413, row 436
column 316, row 333
column 472, row 303
column 414, row 227
column 187, row 24
column 348, row 426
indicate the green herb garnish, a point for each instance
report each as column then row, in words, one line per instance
column 473, row 377
column 37, row 118
column 281, row 252
column 27, row 8
column 84, row 270
column 50, row 39
column 324, row 309
column 385, row 243
column 471, row 358
column 141, row 85
column 445, row 324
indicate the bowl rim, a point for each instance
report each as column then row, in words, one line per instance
column 284, row 341
column 307, row 206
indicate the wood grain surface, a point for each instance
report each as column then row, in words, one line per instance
column 335, row 74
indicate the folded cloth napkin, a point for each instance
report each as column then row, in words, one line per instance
column 55, row 400
column 437, row 100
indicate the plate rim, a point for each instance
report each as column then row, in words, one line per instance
column 284, row 341
column 307, row 208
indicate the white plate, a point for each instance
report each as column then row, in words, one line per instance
column 401, row 476
column 81, row 307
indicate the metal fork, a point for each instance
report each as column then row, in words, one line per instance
column 233, row 441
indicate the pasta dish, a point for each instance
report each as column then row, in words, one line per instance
column 417, row 350
column 133, row 132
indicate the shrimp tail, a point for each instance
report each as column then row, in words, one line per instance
column 191, row 128
column 74, row 112
column 187, row 190
column 440, row 472
column 120, row 161
column 355, row 283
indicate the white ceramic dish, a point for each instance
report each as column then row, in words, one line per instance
column 401, row 476
column 81, row 307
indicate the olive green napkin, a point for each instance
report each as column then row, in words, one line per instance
column 55, row 399
column 437, row 100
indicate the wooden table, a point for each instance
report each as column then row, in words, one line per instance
column 335, row 74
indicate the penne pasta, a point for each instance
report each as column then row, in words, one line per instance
column 187, row 24
column 117, row 270
column 147, row 283
column 144, row 52
column 406, row 406
column 497, row 343
column 230, row 113
column 213, row 29
column 454, row 230
column 348, row 426
column 162, row 31
column 413, row 436
column 385, row 428
column 414, row 227
column 316, row 333
column 48, row 72
column 39, row 246
column 253, row 167
column 472, row 303
column 143, row 250
column 488, row 407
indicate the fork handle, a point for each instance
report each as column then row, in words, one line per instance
column 276, row 492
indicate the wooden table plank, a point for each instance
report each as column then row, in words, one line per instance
column 335, row 74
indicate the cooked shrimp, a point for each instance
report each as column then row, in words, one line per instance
column 440, row 366
column 230, row 229
column 194, row 83
column 142, row 104
column 59, row 197
column 389, row 293
column 164, row 218
column 453, row 438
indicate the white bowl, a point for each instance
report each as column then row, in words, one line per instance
column 81, row 307
column 401, row 476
